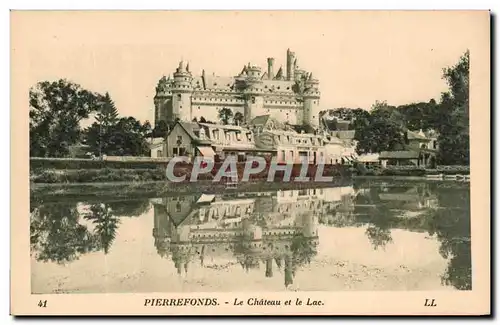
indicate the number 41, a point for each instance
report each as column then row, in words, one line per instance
column 42, row 303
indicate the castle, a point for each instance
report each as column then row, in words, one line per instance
column 290, row 96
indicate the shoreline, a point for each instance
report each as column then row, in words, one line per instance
column 150, row 189
column 166, row 189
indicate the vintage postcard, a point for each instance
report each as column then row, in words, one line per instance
column 250, row 163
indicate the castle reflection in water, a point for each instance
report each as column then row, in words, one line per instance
column 271, row 229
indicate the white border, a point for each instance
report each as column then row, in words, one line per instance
column 185, row 4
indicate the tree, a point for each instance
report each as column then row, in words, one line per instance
column 130, row 207
column 106, row 118
column 56, row 234
column 238, row 118
column 107, row 115
column 56, row 109
column 379, row 130
column 451, row 225
column 420, row 115
column 105, row 223
column 225, row 115
column 453, row 115
column 126, row 138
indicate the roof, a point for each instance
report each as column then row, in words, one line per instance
column 305, row 128
column 217, row 82
column 431, row 133
column 399, row 197
column 206, row 198
column 155, row 141
column 370, row 157
column 260, row 120
column 398, row 155
column 416, row 135
column 334, row 140
column 191, row 129
column 225, row 127
column 346, row 135
column 278, row 85
column 207, row 152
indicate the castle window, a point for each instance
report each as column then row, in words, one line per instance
column 198, row 107
column 278, row 87
column 215, row 84
column 179, row 96
column 314, row 102
column 287, row 88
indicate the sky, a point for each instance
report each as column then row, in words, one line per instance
column 358, row 57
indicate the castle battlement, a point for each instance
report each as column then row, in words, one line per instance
column 290, row 96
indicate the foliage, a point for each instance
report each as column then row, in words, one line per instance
column 130, row 207
column 379, row 130
column 105, row 224
column 98, row 175
column 453, row 115
column 411, row 171
column 126, row 137
column 238, row 118
column 451, row 225
column 384, row 126
column 161, row 129
column 56, row 109
column 56, row 234
column 107, row 115
column 225, row 115
column 69, row 163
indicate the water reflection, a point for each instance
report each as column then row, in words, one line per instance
column 261, row 229
column 57, row 233
column 272, row 233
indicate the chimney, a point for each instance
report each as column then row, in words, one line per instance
column 270, row 68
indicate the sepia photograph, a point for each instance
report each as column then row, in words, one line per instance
column 250, row 162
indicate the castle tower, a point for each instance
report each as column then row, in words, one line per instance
column 290, row 65
column 182, row 90
column 311, row 102
column 254, row 100
column 270, row 68
column 163, row 100
column 288, row 271
column 269, row 267
column 309, row 226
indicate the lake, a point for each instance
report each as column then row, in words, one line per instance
column 369, row 235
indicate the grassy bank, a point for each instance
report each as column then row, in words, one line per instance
column 55, row 176
column 104, row 175
column 412, row 171
column 80, row 191
column 37, row 163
